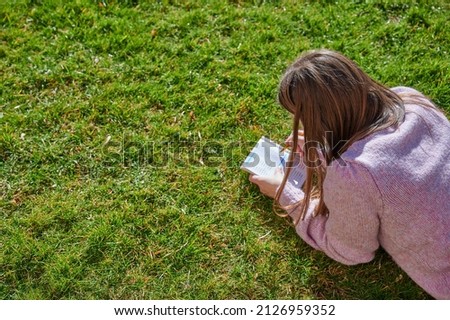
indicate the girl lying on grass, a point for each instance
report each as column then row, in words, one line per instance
column 378, row 169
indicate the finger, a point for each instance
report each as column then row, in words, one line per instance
column 253, row 178
column 300, row 135
column 288, row 143
column 288, row 140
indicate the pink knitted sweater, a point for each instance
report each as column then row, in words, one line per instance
column 393, row 191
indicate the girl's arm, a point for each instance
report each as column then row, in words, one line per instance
column 349, row 233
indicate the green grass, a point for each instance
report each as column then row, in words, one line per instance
column 123, row 125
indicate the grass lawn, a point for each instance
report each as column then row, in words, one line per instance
column 123, row 125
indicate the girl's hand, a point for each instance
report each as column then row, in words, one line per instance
column 300, row 144
column 268, row 185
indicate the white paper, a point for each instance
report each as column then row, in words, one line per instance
column 267, row 156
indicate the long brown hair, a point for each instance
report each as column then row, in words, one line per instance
column 337, row 104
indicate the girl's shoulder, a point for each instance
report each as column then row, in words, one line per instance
column 406, row 90
column 424, row 131
column 414, row 99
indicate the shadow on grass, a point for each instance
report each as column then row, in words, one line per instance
column 380, row 279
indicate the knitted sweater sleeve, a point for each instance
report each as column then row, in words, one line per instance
column 349, row 233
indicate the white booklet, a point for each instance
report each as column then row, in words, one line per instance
column 267, row 156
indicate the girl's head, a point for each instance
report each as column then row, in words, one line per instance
column 337, row 104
